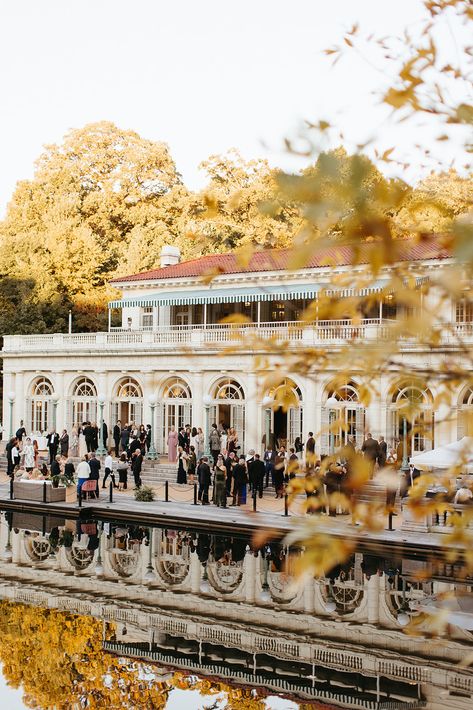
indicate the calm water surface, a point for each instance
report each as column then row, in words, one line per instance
column 98, row 614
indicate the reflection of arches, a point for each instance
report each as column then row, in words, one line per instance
column 124, row 562
column 176, row 409
column 394, row 596
column 465, row 413
column 412, row 400
column 79, row 557
column 287, row 419
column 37, row 548
column 350, row 414
column 127, row 403
column 172, row 562
column 224, row 575
column 41, row 404
column 84, row 402
column 229, row 406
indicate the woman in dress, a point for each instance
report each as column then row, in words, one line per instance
column 200, row 443
column 82, row 442
column 142, row 438
column 182, row 466
column 232, row 441
column 64, row 443
column 191, row 464
column 172, row 445
column 36, row 453
column 74, row 442
column 223, row 441
column 122, row 470
column 220, row 487
column 194, row 440
column 28, row 455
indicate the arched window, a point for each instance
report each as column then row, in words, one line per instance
column 84, row 402
column 127, row 406
column 287, row 419
column 411, row 407
column 176, row 410
column 177, row 389
column 228, row 389
column 84, row 388
column 465, row 413
column 229, row 407
column 129, row 388
column 41, row 405
column 350, row 414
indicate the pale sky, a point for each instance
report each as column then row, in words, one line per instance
column 201, row 75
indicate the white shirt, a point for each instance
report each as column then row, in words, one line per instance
column 14, row 453
column 83, row 470
column 108, row 463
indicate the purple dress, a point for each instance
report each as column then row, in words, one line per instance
column 172, row 446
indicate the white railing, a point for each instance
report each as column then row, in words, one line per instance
column 197, row 336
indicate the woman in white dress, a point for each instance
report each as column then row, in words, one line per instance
column 199, row 451
column 74, row 442
column 28, row 455
column 194, row 441
column 82, row 444
column 223, row 441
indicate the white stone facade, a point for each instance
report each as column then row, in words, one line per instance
column 178, row 352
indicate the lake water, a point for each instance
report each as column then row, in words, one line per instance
column 103, row 614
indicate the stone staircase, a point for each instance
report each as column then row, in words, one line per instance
column 374, row 493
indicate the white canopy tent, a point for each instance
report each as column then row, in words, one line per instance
column 458, row 452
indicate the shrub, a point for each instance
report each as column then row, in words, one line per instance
column 145, row 494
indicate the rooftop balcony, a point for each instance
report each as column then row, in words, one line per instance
column 219, row 335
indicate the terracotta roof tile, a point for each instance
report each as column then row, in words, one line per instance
column 278, row 259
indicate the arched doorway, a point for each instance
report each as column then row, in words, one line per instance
column 83, row 404
column 41, row 405
column 465, row 413
column 287, row 413
column 350, row 414
column 412, row 402
column 176, row 409
column 127, row 405
column 229, row 407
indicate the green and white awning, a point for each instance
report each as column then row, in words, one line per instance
column 220, row 295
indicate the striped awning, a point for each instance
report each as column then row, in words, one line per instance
column 220, row 295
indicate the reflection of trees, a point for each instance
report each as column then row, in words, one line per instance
column 58, row 660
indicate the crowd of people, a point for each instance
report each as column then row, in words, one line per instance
column 230, row 474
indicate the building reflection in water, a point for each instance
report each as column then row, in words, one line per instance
column 214, row 605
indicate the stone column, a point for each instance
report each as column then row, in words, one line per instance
column 20, row 403
column 61, row 403
column 310, row 407
column 8, row 386
column 198, row 414
column 373, row 421
column 373, row 592
column 252, row 414
column 195, row 573
column 249, row 576
column 147, row 390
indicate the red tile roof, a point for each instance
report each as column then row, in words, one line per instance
column 279, row 259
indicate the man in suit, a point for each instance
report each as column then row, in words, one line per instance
column 205, row 477
column 89, row 434
column 117, row 429
column 382, row 452
column 136, row 465
column 21, row 432
column 370, row 450
column 125, row 437
column 258, row 472
column 53, row 444
column 104, row 435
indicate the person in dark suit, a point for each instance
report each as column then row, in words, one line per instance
column 53, row 444
column 88, row 433
column 104, row 435
column 136, row 465
column 64, row 443
column 258, row 471
column 370, row 451
column 94, row 465
column 21, row 432
column 125, row 437
column 382, row 452
column 205, row 478
column 117, row 429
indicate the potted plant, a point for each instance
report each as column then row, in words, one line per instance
column 145, row 494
